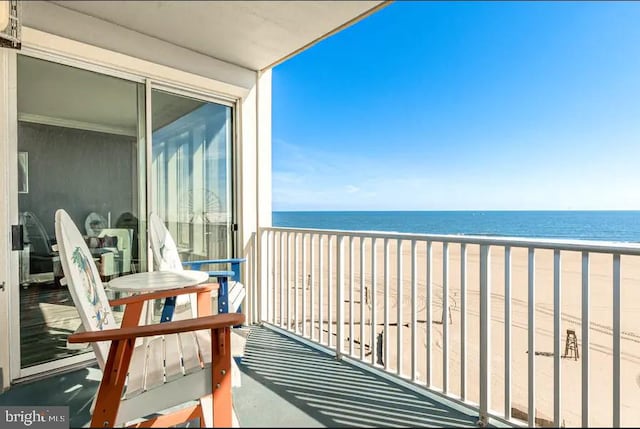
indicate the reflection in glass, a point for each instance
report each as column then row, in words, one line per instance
column 191, row 173
column 81, row 131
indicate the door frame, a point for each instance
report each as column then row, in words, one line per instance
column 64, row 51
column 8, row 203
column 232, row 164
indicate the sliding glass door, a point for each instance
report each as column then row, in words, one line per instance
column 191, row 173
column 80, row 148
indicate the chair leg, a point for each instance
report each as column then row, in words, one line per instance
column 113, row 379
column 206, row 407
column 221, row 377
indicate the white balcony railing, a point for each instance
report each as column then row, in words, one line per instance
column 486, row 321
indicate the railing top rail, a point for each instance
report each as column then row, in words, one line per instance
column 541, row 243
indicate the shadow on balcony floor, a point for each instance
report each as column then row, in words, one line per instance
column 284, row 384
column 74, row 389
column 288, row 384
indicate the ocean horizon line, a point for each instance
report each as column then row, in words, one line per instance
column 455, row 210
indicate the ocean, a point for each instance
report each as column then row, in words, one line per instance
column 621, row 226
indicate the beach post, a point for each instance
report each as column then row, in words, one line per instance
column 379, row 349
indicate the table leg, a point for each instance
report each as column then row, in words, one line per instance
column 168, row 309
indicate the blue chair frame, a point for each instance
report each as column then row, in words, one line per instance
column 223, row 277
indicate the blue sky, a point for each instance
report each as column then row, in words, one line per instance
column 464, row 106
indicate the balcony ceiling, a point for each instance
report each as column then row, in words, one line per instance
column 251, row 34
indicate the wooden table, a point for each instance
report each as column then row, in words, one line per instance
column 157, row 281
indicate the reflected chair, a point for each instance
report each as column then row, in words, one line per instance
column 127, row 220
column 143, row 386
column 94, row 223
column 122, row 249
column 40, row 250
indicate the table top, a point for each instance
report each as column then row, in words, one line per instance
column 158, row 280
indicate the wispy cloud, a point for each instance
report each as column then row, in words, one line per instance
column 310, row 179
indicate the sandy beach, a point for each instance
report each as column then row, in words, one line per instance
column 600, row 360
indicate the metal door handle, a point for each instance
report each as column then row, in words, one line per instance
column 1, row 285
column 17, row 237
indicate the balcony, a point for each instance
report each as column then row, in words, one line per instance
column 376, row 329
column 524, row 331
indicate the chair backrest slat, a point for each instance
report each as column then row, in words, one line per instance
column 84, row 283
column 165, row 251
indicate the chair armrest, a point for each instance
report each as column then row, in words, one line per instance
column 234, row 273
column 207, row 322
column 221, row 273
column 215, row 261
column 163, row 294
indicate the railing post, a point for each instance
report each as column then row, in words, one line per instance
column 262, row 282
column 351, row 309
column 585, row 339
column 445, row 317
column 312, row 304
column 507, row 332
column 485, row 332
column 400, row 309
column 288, row 281
column 429, row 315
column 296, row 283
column 304, row 284
column 385, row 321
column 616, row 340
column 320, row 288
column 282, row 280
column 363, row 298
column 271, row 264
column 532, row 339
column 414, row 311
column 557, row 339
column 374, row 303
column 463, row 321
column 329, row 290
column 340, row 296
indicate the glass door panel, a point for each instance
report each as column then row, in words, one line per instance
column 191, row 173
column 80, row 148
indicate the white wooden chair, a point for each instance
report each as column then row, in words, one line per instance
column 231, row 292
column 166, row 258
column 192, row 377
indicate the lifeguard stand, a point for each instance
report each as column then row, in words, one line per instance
column 571, row 345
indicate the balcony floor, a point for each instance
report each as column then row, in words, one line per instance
column 289, row 384
column 285, row 383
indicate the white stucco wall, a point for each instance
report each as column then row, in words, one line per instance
column 263, row 187
column 263, row 201
column 255, row 157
